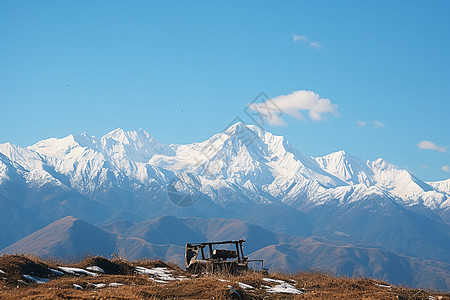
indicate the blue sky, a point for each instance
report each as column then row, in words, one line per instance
column 184, row 70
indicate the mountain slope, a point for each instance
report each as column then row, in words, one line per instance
column 348, row 168
column 66, row 238
column 347, row 260
column 381, row 221
column 441, row 186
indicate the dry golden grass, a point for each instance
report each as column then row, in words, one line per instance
column 136, row 286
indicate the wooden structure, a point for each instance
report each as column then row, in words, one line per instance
column 214, row 259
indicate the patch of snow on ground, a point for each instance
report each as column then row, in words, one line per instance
column 115, row 284
column 98, row 285
column 95, row 269
column 77, row 287
column 245, row 286
column 36, row 279
column 157, row 280
column 21, row 281
column 383, row 285
column 281, row 287
column 273, row 280
column 285, row 288
column 222, row 280
column 77, row 271
column 2, row 272
column 56, row 272
column 160, row 274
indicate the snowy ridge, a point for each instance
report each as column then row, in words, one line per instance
column 116, row 159
column 243, row 164
column 27, row 164
column 248, row 157
column 348, row 168
column 441, row 186
column 396, row 182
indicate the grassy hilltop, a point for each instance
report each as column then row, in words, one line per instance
column 27, row 277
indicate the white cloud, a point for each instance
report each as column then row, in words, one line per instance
column 301, row 38
column 298, row 38
column 445, row 168
column 431, row 146
column 315, row 45
column 292, row 105
column 361, row 124
column 378, row 124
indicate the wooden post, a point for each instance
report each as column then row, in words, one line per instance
column 237, row 250
column 203, row 253
column 242, row 251
column 210, row 250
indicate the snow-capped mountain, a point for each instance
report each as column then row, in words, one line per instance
column 29, row 164
column 249, row 159
column 118, row 159
column 235, row 173
column 388, row 178
column 243, row 160
column 245, row 152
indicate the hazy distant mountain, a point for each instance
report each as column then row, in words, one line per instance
column 68, row 238
column 243, row 173
column 166, row 237
column 348, row 260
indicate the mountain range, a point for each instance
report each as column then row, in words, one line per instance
column 244, row 173
column 164, row 238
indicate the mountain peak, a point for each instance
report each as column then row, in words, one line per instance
column 137, row 146
column 118, row 135
column 348, row 168
column 128, row 137
column 250, row 133
column 23, row 156
column 7, row 149
column 236, row 128
column 339, row 153
column 56, row 147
